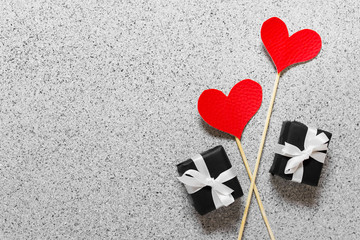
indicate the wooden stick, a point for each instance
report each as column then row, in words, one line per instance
column 259, row 156
column 261, row 207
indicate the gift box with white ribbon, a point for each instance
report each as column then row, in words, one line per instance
column 300, row 153
column 210, row 180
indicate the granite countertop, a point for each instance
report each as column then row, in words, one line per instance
column 98, row 105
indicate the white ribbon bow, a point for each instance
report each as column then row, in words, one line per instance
column 195, row 180
column 312, row 145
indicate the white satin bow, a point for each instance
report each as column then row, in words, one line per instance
column 195, row 180
column 313, row 144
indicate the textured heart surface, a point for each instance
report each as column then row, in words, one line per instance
column 231, row 113
column 284, row 50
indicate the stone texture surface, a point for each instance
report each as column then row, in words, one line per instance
column 98, row 104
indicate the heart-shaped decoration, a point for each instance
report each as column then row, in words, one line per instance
column 231, row 113
column 284, row 50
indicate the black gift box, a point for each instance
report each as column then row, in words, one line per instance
column 295, row 133
column 217, row 162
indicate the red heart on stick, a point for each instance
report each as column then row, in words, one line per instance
column 231, row 113
column 284, row 50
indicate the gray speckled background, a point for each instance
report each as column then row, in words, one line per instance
column 98, row 104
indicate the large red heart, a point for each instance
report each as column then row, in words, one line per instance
column 284, row 50
column 231, row 114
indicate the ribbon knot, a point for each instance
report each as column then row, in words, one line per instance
column 313, row 145
column 195, row 180
column 210, row 182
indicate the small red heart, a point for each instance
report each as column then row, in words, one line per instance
column 231, row 113
column 284, row 50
